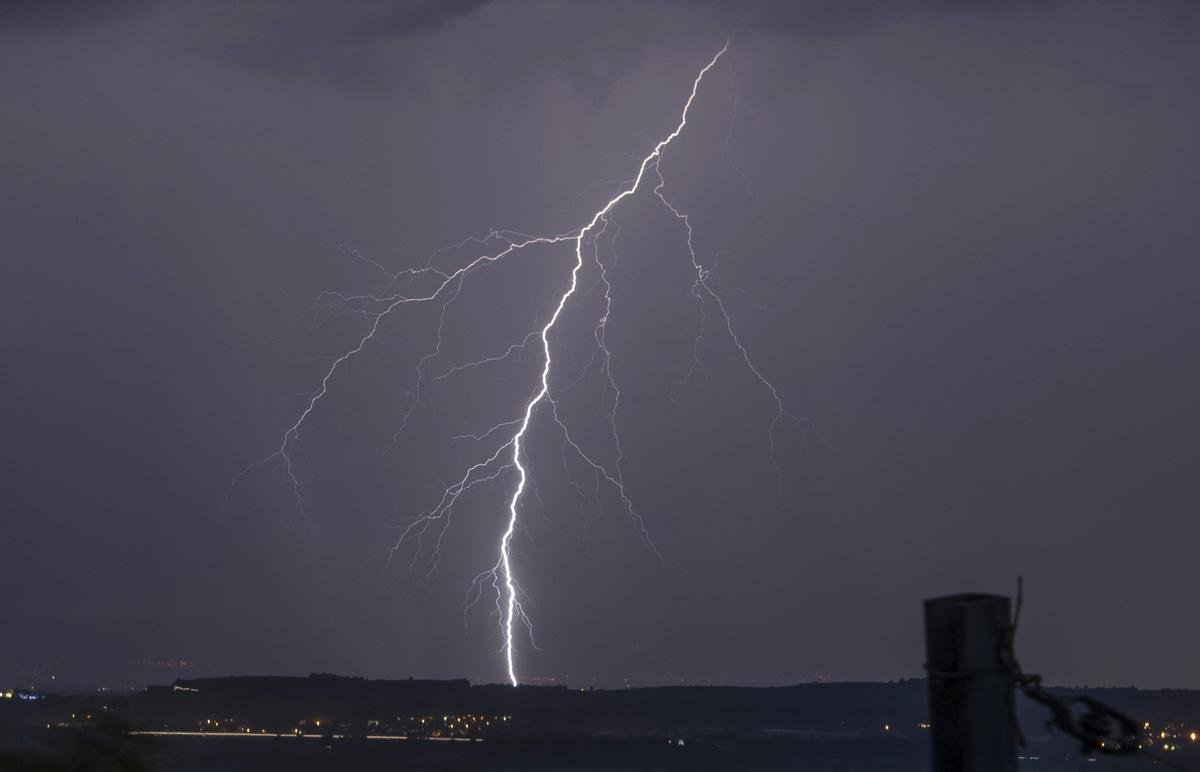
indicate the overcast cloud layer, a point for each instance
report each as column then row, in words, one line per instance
column 961, row 240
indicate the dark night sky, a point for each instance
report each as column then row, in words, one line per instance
column 965, row 248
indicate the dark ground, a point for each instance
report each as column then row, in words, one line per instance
column 811, row 726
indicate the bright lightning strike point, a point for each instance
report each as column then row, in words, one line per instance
column 512, row 605
column 509, row 454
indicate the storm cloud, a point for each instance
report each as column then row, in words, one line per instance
column 960, row 238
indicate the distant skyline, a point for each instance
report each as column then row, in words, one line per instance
column 956, row 241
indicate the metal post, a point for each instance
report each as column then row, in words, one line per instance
column 970, row 684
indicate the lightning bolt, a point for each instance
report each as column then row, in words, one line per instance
column 507, row 439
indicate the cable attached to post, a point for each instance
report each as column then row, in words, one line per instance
column 1099, row 728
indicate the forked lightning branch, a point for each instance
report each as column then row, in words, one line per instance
column 505, row 457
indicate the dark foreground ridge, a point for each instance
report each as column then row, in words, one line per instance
column 332, row 722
